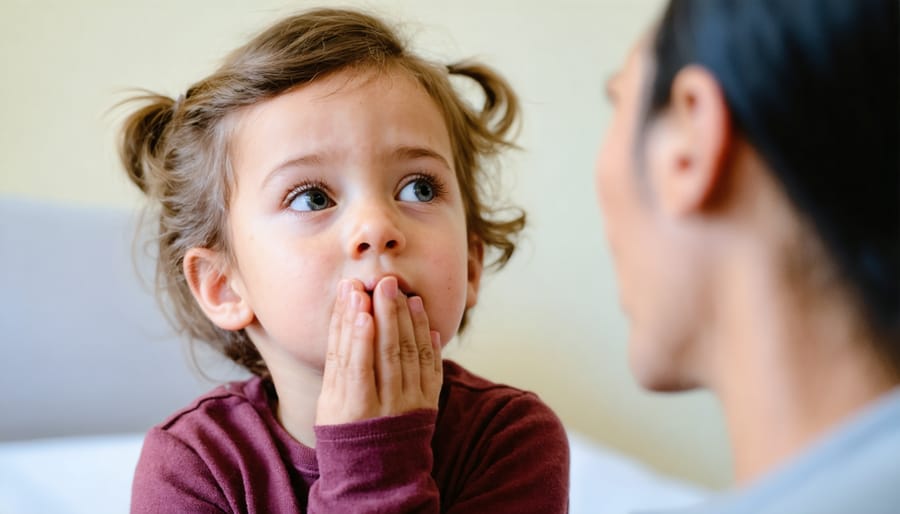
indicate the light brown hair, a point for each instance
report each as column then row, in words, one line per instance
column 176, row 151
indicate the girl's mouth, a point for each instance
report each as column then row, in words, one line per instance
column 402, row 286
column 408, row 294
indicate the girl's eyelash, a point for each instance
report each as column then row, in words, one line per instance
column 306, row 185
column 436, row 183
column 303, row 187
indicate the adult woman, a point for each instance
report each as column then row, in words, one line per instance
column 751, row 195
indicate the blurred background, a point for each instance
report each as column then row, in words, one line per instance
column 550, row 322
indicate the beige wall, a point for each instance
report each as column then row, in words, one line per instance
column 550, row 322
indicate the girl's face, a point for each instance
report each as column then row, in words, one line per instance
column 350, row 176
column 655, row 269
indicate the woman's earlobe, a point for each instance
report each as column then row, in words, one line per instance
column 214, row 290
column 701, row 118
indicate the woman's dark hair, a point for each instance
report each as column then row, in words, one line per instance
column 813, row 86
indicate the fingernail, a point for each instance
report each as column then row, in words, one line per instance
column 389, row 286
column 436, row 339
column 361, row 319
column 356, row 299
column 416, row 305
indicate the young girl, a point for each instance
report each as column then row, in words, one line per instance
column 322, row 223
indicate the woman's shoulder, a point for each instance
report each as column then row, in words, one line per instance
column 852, row 469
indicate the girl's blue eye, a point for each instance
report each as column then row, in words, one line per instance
column 312, row 199
column 419, row 190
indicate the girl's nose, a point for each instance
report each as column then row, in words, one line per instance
column 376, row 233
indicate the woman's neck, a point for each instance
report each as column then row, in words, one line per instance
column 792, row 363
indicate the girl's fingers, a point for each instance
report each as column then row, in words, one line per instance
column 388, row 373
column 348, row 387
column 422, row 334
column 438, row 346
column 409, row 348
column 354, row 303
column 331, row 399
column 334, row 334
column 383, row 359
column 359, row 374
column 432, row 387
column 352, row 306
column 358, row 304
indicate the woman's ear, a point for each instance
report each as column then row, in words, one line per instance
column 698, row 130
column 475, row 268
column 215, row 290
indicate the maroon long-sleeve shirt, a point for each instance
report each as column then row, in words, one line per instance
column 489, row 448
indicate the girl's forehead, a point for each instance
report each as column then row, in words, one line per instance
column 369, row 106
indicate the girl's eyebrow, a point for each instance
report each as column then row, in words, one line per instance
column 404, row 152
column 293, row 162
column 419, row 152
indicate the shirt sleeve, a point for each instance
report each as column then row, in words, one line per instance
column 523, row 463
column 171, row 477
column 378, row 465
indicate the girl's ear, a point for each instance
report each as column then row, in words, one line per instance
column 475, row 267
column 215, row 290
column 694, row 142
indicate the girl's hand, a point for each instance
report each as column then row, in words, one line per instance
column 381, row 361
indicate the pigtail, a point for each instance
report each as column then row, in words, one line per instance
column 142, row 135
column 491, row 129
column 500, row 112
